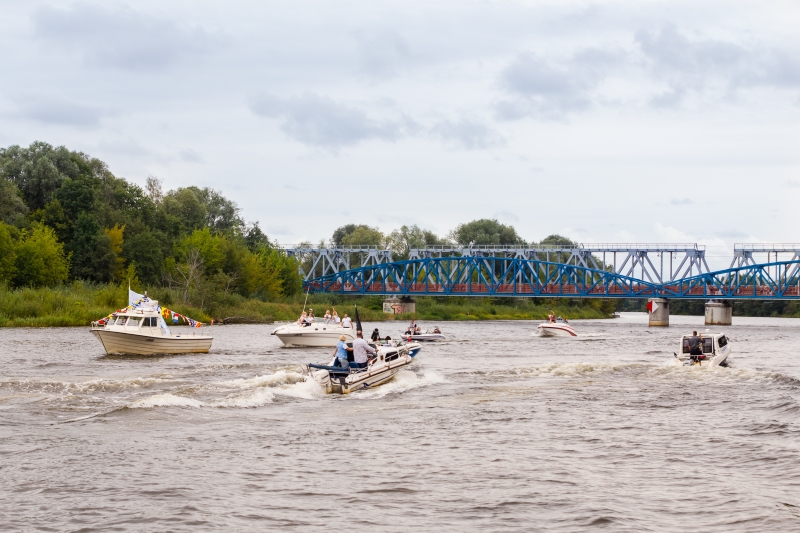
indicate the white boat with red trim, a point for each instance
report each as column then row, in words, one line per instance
column 559, row 328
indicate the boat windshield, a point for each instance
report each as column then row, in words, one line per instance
column 133, row 322
column 121, row 321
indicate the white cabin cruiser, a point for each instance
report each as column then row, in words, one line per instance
column 139, row 329
column 320, row 333
column 715, row 348
column 389, row 359
column 559, row 328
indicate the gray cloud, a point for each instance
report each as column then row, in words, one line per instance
column 468, row 134
column 382, row 53
column 323, row 122
column 118, row 36
column 681, row 201
column 552, row 88
column 698, row 64
column 60, row 111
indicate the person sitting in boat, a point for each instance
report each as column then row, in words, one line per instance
column 417, row 331
column 376, row 336
column 336, row 319
column 311, row 314
column 341, row 352
column 411, row 328
column 328, row 315
column 695, row 343
column 437, row 330
column 360, row 351
column 551, row 318
column 302, row 320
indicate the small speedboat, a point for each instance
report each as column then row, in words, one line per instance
column 390, row 358
column 716, row 349
column 425, row 337
column 559, row 328
column 319, row 333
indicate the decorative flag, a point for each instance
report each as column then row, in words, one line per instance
column 652, row 306
column 133, row 297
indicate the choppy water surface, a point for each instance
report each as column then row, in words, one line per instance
column 494, row 430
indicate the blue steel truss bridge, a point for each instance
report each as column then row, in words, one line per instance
column 671, row 271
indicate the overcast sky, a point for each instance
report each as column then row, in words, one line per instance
column 606, row 122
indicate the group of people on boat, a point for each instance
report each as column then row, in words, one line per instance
column 307, row 318
column 552, row 319
column 362, row 352
column 414, row 329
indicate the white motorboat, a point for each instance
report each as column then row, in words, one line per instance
column 390, row 358
column 716, row 349
column 319, row 333
column 559, row 328
column 427, row 336
column 140, row 329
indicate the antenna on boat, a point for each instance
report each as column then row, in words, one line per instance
column 304, row 303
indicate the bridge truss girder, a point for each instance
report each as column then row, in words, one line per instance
column 516, row 277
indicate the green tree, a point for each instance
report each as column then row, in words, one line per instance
column 364, row 235
column 144, row 250
column 7, row 254
column 40, row 261
column 343, row 232
column 38, row 171
column 12, row 207
column 184, row 205
column 558, row 240
column 484, row 232
column 210, row 247
column 408, row 237
column 93, row 257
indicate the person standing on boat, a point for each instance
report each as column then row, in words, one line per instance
column 360, row 350
column 376, row 336
column 336, row 319
column 695, row 342
column 341, row 352
column 411, row 327
column 328, row 315
column 346, row 322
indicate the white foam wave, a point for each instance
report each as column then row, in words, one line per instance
column 261, row 390
column 403, row 381
column 165, row 400
column 86, row 387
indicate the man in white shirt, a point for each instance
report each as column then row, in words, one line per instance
column 346, row 321
column 360, row 350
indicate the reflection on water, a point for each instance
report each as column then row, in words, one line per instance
column 496, row 429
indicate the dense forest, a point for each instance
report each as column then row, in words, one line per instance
column 69, row 227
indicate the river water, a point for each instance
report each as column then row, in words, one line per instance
column 494, row 430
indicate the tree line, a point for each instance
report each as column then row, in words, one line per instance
column 64, row 216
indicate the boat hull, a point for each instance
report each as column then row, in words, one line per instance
column 556, row 330
column 717, row 360
column 314, row 338
column 121, row 343
column 426, row 337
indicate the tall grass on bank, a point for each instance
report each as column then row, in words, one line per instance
column 78, row 304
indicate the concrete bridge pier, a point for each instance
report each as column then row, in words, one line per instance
column 396, row 306
column 719, row 313
column 659, row 311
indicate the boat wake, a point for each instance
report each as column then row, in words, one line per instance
column 403, row 381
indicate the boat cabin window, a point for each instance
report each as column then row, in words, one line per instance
column 150, row 322
column 133, row 322
column 708, row 345
column 392, row 356
column 722, row 341
column 121, row 320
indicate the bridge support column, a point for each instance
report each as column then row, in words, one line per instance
column 397, row 306
column 719, row 313
column 659, row 311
